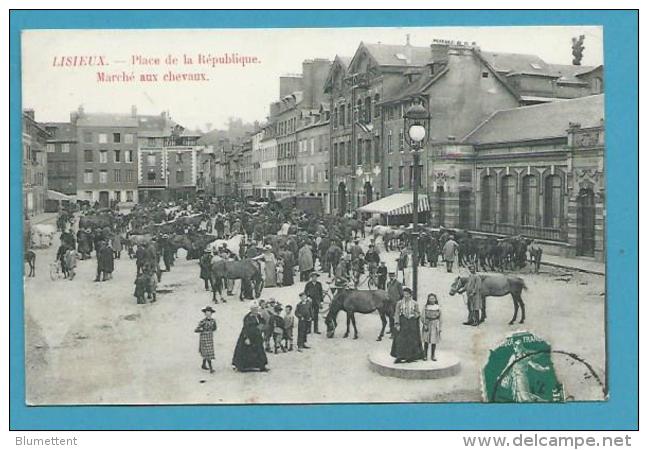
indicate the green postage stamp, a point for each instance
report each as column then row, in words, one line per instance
column 521, row 370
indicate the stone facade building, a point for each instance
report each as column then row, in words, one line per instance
column 313, row 157
column 34, row 163
column 62, row 158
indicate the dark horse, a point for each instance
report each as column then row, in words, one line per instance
column 245, row 270
column 363, row 302
column 496, row 286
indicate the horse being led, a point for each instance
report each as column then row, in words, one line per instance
column 246, row 270
column 363, row 302
column 496, row 286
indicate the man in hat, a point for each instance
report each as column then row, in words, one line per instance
column 382, row 275
column 252, row 250
column 450, row 249
column 474, row 297
column 356, row 251
column 314, row 291
column 304, row 314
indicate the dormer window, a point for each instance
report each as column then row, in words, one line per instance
column 536, row 66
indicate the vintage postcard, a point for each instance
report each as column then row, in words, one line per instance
column 322, row 215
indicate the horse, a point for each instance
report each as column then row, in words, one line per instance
column 30, row 259
column 496, row 286
column 363, row 302
column 246, row 270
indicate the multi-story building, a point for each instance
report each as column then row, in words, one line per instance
column 268, row 160
column 106, row 156
column 168, row 159
column 211, row 177
column 287, row 115
column 538, row 171
column 313, row 157
column 34, row 142
column 62, row 158
column 246, row 168
column 461, row 86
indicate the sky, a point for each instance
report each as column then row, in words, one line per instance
column 231, row 90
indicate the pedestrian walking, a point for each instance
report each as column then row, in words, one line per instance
column 206, row 327
column 304, row 314
column 249, row 353
column 278, row 329
column 117, row 245
column 382, row 275
column 431, row 326
column 305, row 261
column 269, row 267
column 205, row 267
column 450, row 249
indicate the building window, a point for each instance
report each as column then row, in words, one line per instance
column 342, row 115
column 359, row 152
column 117, row 155
column 401, row 176
column 178, row 158
column 420, row 175
column 150, row 159
column 389, row 177
column 367, row 110
column 326, row 174
column 117, row 175
column 342, row 155
column 507, row 194
column 65, row 148
column 117, row 196
column 103, row 138
column 553, row 201
column 87, row 176
column 180, row 176
column 401, row 140
column 116, row 138
column 128, row 156
column 484, row 74
column 368, row 151
column 377, row 150
column 87, row 156
column 488, row 198
column 151, row 142
column 51, row 148
column 128, row 138
column 389, row 142
column 129, row 196
column 103, row 156
column 529, row 200
column 103, row 176
column 88, row 195
column 129, row 175
column 335, row 155
column 87, row 137
column 151, row 175
column 376, row 107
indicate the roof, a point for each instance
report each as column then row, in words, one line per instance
column 520, row 63
column 544, row 121
column 61, row 131
column 398, row 55
column 107, row 120
column 396, row 204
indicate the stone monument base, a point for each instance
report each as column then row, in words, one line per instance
column 446, row 365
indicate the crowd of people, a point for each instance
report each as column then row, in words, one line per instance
column 282, row 244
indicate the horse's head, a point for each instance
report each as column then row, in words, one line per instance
column 331, row 317
column 458, row 286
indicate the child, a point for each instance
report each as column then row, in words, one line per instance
column 206, row 328
column 431, row 332
column 141, row 284
column 151, row 286
column 289, row 325
column 280, row 271
column 278, row 329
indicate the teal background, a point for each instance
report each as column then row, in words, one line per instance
column 621, row 87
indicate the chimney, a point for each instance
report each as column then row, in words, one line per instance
column 30, row 113
column 439, row 53
column 133, row 111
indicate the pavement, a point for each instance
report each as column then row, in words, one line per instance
column 90, row 343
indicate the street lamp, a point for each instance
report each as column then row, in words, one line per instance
column 416, row 122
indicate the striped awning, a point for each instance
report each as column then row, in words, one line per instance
column 397, row 204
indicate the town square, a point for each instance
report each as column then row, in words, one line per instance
column 420, row 220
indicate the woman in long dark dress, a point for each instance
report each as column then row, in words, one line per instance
column 249, row 353
column 406, row 346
